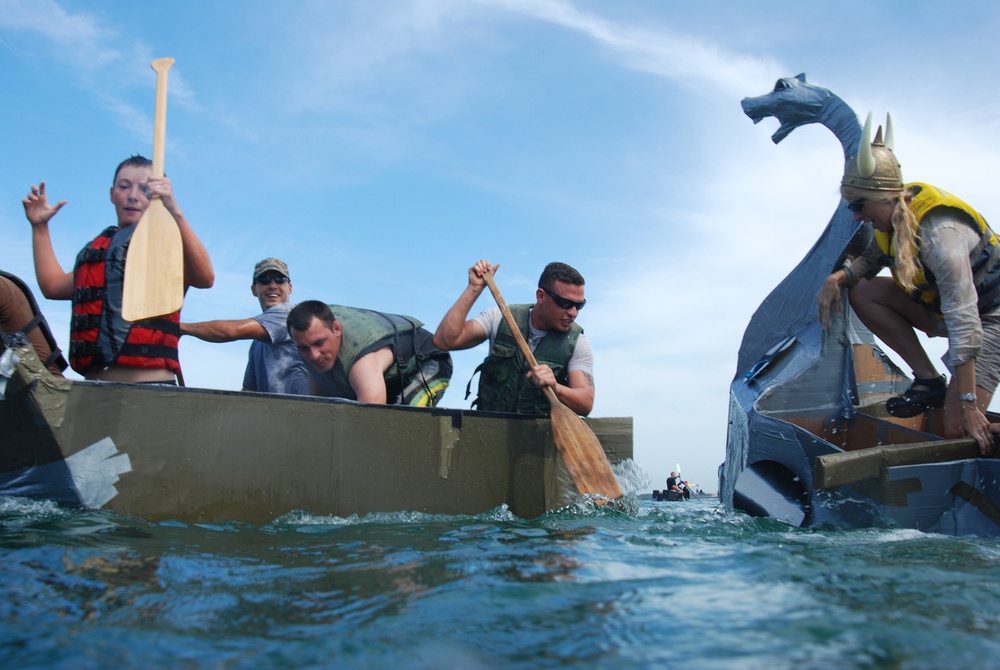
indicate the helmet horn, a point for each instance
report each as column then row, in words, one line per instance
column 889, row 140
column 866, row 161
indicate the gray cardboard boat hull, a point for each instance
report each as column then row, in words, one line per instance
column 199, row 455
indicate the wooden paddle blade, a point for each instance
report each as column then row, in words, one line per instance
column 154, row 267
column 583, row 454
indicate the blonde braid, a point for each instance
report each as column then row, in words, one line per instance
column 904, row 226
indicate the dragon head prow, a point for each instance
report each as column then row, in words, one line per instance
column 794, row 102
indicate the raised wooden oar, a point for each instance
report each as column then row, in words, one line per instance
column 850, row 467
column 154, row 267
column 581, row 450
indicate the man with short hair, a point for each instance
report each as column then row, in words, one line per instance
column 369, row 356
column 565, row 359
column 274, row 365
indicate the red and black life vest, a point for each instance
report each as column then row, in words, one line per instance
column 98, row 335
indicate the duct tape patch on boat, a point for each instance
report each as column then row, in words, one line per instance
column 95, row 471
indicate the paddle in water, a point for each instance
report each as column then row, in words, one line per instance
column 580, row 449
column 154, row 267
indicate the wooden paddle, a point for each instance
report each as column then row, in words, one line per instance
column 154, row 266
column 581, row 451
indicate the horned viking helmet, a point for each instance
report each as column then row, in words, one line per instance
column 874, row 167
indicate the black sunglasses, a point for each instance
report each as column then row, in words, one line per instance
column 264, row 281
column 857, row 206
column 565, row 303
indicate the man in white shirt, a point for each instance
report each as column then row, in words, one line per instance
column 564, row 356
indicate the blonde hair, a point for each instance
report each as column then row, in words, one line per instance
column 904, row 227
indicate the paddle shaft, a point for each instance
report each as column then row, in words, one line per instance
column 161, row 66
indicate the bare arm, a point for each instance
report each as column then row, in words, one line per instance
column 226, row 331
column 54, row 282
column 454, row 331
column 828, row 298
column 967, row 418
column 198, row 271
column 853, row 270
column 367, row 375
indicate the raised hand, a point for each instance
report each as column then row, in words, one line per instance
column 477, row 271
column 37, row 208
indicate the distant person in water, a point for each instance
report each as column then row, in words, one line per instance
column 685, row 489
column 672, row 481
column 274, row 366
column 565, row 359
column 945, row 263
column 369, row 356
column 19, row 314
column 102, row 344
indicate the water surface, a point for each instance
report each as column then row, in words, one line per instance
column 665, row 583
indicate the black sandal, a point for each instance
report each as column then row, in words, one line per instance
column 922, row 395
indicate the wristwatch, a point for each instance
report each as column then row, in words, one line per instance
column 968, row 397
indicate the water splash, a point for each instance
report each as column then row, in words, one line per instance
column 632, row 478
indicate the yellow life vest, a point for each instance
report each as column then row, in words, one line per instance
column 983, row 259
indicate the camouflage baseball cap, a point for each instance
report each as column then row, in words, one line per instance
column 270, row 264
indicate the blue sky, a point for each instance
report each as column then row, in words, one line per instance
column 381, row 148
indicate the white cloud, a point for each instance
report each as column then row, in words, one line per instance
column 663, row 52
column 80, row 39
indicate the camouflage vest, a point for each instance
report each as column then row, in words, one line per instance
column 365, row 331
column 503, row 385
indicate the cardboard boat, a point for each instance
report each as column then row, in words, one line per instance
column 200, row 455
column 809, row 439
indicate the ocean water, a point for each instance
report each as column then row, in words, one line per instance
column 658, row 585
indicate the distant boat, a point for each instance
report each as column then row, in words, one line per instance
column 673, row 496
column 199, row 455
column 810, row 441
column 668, row 495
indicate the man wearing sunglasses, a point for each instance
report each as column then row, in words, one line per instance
column 274, row 365
column 565, row 359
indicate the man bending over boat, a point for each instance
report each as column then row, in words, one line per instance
column 565, row 359
column 369, row 356
column 102, row 344
column 274, row 365
column 19, row 313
